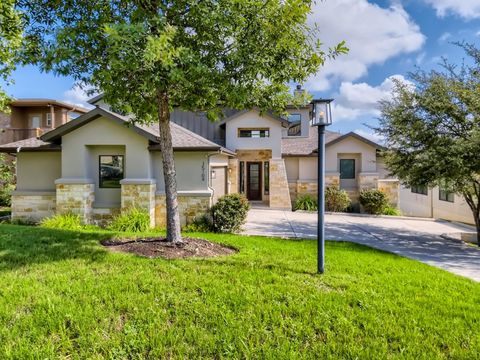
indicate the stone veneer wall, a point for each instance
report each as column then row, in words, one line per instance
column 190, row 206
column 75, row 198
column 367, row 181
column 233, row 176
column 279, row 189
column 102, row 216
column 33, row 206
column 332, row 179
column 391, row 187
column 301, row 187
column 140, row 194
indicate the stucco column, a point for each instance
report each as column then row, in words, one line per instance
column 75, row 196
column 279, row 190
column 139, row 193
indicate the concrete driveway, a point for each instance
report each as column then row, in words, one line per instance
column 417, row 239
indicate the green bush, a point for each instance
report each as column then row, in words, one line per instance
column 336, row 200
column 7, row 181
column 229, row 213
column 131, row 220
column 373, row 201
column 201, row 223
column 63, row 222
column 390, row 210
column 306, row 202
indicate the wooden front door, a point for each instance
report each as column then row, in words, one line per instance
column 254, row 180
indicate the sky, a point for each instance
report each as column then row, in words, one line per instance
column 387, row 39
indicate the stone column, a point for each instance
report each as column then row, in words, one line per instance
column 391, row 187
column 279, row 190
column 332, row 179
column 139, row 193
column 75, row 196
column 367, row 180
column 232, row 176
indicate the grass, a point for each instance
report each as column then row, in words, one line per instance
column 64, row 296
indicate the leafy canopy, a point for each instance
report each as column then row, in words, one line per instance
column 203, row 54
column 11, row 26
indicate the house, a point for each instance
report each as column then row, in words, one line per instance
column 437, row 203
column 33, row 117
column 102, row 163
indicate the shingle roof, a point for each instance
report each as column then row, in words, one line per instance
column 29, row 145
column 182, row 139
column 305, row 146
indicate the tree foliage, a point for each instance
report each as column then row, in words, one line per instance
column 432, row 129
column 10, row 41
column 150, row 56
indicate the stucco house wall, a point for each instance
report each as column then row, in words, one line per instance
column 37, row 171
column 430, row 205
column 253, row 119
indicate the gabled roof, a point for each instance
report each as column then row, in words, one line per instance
column 358, row 137
column 47, row 102
column 182, row 139
column 270, row 114
column 308, row 146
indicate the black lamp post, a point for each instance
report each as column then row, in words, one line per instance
column 322, row 117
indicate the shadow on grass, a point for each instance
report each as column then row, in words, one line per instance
column 26, row 245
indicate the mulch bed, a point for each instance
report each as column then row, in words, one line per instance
column 159, row 247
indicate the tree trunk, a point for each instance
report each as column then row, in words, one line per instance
column 169, row 174
column 474, row 204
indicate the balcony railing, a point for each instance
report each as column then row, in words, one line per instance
column 9, row 135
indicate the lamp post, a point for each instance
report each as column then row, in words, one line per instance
column 322, row 117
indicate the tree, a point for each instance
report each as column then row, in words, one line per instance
column 149, row 56
column 10, row 41
column 432, row 129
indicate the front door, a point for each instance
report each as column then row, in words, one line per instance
column 254, row 183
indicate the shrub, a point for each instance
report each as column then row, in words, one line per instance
column 390, row 210
column 336, row 200
column 306, row 202
column 131, row 220
column 229, row 213
column 63, row 221
column 373, row 201
column 201, row 223
column 7, row 181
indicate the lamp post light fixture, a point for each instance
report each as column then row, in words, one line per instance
column 321, row 117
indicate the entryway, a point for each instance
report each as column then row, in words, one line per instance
column 254, row 181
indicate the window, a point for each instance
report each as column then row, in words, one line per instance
column 35, row 120
column 253, row 133
column 445, row 195
column 266, row 177
column 241, row 186
column 421, row 189
column 49, row 119
column 111, row 171
column 347, row 168
column 294, row 118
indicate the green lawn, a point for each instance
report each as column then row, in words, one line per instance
column 64, row 296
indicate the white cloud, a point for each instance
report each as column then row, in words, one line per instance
column 370, row 135
column 355, row 100
column 372, row 33
column 467, row 9
column 444, row 37
column 478, row 33
column 77, row 95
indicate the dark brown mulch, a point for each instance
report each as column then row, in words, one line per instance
column 159, row 247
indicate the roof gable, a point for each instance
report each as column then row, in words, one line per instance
column 358, row 137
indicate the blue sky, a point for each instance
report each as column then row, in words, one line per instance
column 386, row 38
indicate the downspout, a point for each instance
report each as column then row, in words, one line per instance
column 209, row 173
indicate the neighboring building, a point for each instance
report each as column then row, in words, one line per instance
column 434, row 203
column 101, row 163
column 33, row 117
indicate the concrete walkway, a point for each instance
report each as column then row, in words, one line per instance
column 417, row 239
